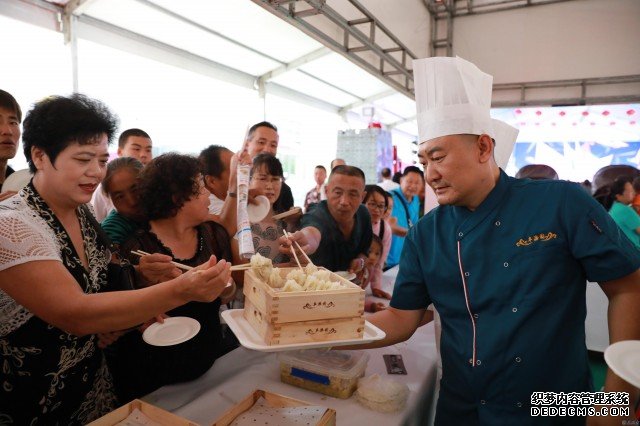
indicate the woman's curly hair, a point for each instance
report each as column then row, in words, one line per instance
column 56, row 122
column 166, row 183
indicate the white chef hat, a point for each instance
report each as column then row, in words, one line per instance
column 454, row 97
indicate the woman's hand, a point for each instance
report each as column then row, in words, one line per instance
column 156, row 268
column 205, row 282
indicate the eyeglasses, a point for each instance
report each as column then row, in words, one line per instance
column 274, row 180
column 376, row 206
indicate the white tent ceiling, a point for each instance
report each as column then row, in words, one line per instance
column 244, row 42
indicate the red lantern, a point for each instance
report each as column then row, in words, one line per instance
column 518, row 111
column 538, row 113
column 631, row 112
column 585, row 113
column 562, row 113
column 605, row 113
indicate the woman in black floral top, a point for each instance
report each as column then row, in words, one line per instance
column 53, row 267
column 179, row 227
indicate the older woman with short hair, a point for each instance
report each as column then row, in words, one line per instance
column 176, row 203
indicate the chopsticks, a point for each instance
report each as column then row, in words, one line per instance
column 288, row 235
column 242, row 267
column 179, row 265
column 294, row 210
column 293, row 251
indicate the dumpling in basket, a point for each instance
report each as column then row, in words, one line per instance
column 262, row 266
column 275, row 279
column 298, row 276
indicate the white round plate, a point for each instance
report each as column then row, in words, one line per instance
column 257, row 212
column 17, row 180
column 624, row 359
column 174, row 330
column 346, row 275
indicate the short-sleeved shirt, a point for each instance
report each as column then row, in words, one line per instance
column 49, row 376
column 508, row 281
column 215, row 205
column 336, row 252
column 118, row 227
column 628, row 220
column 407, row 212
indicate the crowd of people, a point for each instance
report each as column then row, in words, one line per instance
column 501, row 259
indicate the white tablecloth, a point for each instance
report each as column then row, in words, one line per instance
column 238, row 373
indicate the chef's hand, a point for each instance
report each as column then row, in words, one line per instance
column 378, row 306
column 380, row 293
column 156, row 268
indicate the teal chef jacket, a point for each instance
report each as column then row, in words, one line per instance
column 508, row 281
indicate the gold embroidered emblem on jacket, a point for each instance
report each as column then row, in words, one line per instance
column 535, row 238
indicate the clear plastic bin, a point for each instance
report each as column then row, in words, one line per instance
column 333, row 373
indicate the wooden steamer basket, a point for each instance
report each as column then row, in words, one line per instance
column 303, row 316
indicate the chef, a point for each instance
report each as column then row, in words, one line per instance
column 505, row 263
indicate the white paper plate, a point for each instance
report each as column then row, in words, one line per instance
column 259, row 211
column 17, row 180
column 250, row 339
column 624, row 359
column 174, row 330
column 346, row 275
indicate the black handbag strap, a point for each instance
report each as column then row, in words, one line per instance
column 381, row 232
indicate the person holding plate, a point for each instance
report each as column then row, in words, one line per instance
column 179, row 227
column 53, row 271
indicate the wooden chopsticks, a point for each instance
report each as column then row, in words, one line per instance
column 294, row 210
column 242, row 267
column 288, row 235
column 179, row 265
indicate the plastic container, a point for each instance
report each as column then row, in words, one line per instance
column 333, row 373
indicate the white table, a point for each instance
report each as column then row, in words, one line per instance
column 238, row 373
